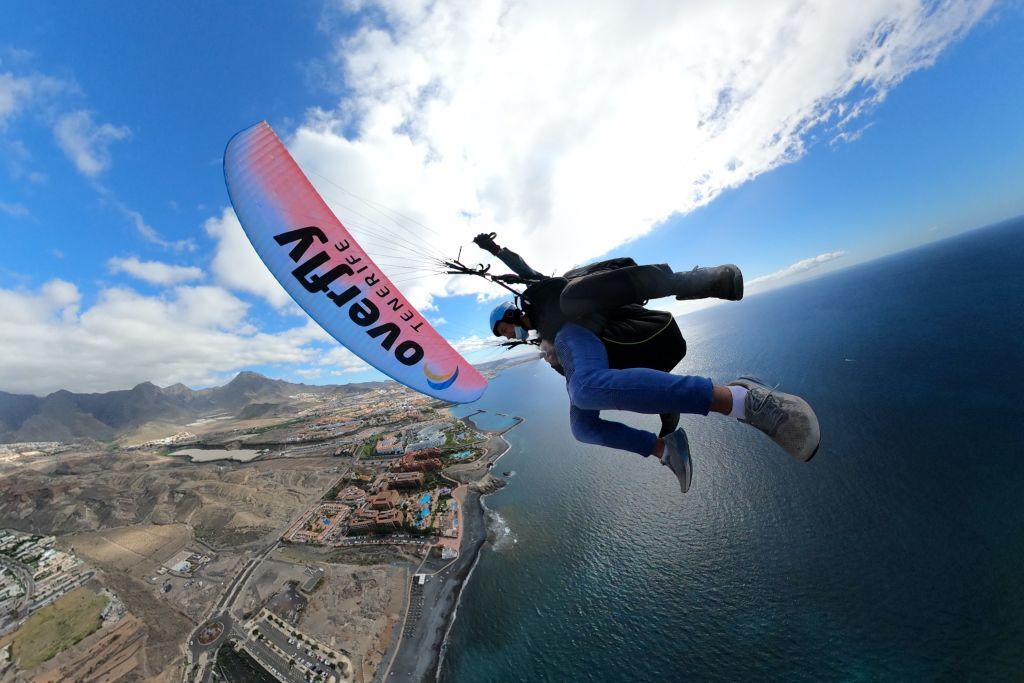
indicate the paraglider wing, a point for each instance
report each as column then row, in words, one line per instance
column 329, row 275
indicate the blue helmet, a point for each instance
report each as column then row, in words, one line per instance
column 504, row 311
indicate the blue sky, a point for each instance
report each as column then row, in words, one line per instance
column 113, row 118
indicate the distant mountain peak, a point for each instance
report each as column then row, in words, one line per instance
column 250, row 377
column 178, row 390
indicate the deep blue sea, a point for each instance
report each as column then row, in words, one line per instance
column 896, row 554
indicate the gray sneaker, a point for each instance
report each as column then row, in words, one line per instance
column 677, row 458
column 786, row 418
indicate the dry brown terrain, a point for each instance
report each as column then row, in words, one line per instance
column 110, row 654
column 137, row 549
column 359, row 600
column 76, row 493
column 127, row 512
column 354, row 610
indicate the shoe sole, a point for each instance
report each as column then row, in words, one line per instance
column 684, row 487
column 814, row 452
column 737, row 284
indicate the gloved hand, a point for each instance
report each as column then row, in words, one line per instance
column 510, row 279
column 485, row 241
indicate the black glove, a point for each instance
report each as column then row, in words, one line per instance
column 510, row 279
column 485, row 241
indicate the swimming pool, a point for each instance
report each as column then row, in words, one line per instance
column 425, row 499
column 461, row 455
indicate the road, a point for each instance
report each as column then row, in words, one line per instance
column 203, row 654
column 24, row 578
column 294, row 650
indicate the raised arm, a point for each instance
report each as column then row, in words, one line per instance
column 511, row 259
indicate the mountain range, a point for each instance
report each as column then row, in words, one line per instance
column 63, row 415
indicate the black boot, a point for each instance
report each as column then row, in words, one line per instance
column 719, row 282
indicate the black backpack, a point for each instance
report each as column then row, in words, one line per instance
column 634, row 336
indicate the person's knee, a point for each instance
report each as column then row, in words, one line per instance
column 584, row 432
column 583, row 390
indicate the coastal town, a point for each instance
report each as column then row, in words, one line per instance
column 303, row 537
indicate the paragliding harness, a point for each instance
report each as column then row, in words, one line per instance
column 634, row 336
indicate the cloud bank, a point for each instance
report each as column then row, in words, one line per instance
column 799, row 268
column 571, row 128
column 198, row 335
column 154, row 272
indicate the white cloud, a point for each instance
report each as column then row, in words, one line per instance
column 16, row 54
column 343, row 361
column 85, row 143
column 474, row 343
column 14, row 92
column 799, row 268
column 237, row 265
column 154, row 272
column 571, row 128
column 147, row 231
column 14, row 209
column 17, row 91
column 189, row 334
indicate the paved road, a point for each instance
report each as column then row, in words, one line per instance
column 24, row 578
column 196, row 647
column 227, row 601
column 222, row 612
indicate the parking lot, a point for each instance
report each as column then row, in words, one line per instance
column 390, row 540
column 319, row 666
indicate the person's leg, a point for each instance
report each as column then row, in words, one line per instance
column 669, row 422
column 616, row 288
column 593, row 386
column 588, row 427
column 786, row 418
column 637, row 284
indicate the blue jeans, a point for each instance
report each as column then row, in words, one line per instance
column 594, row 387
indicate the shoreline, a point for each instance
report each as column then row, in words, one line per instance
column 421, row 656
column 482, row 510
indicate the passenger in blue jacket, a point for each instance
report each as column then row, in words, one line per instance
column 592, row 327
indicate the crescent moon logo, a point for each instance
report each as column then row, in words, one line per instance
column 440, row 382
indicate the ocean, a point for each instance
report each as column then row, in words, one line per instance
column 896, row 554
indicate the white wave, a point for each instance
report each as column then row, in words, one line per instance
column 499, row 533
